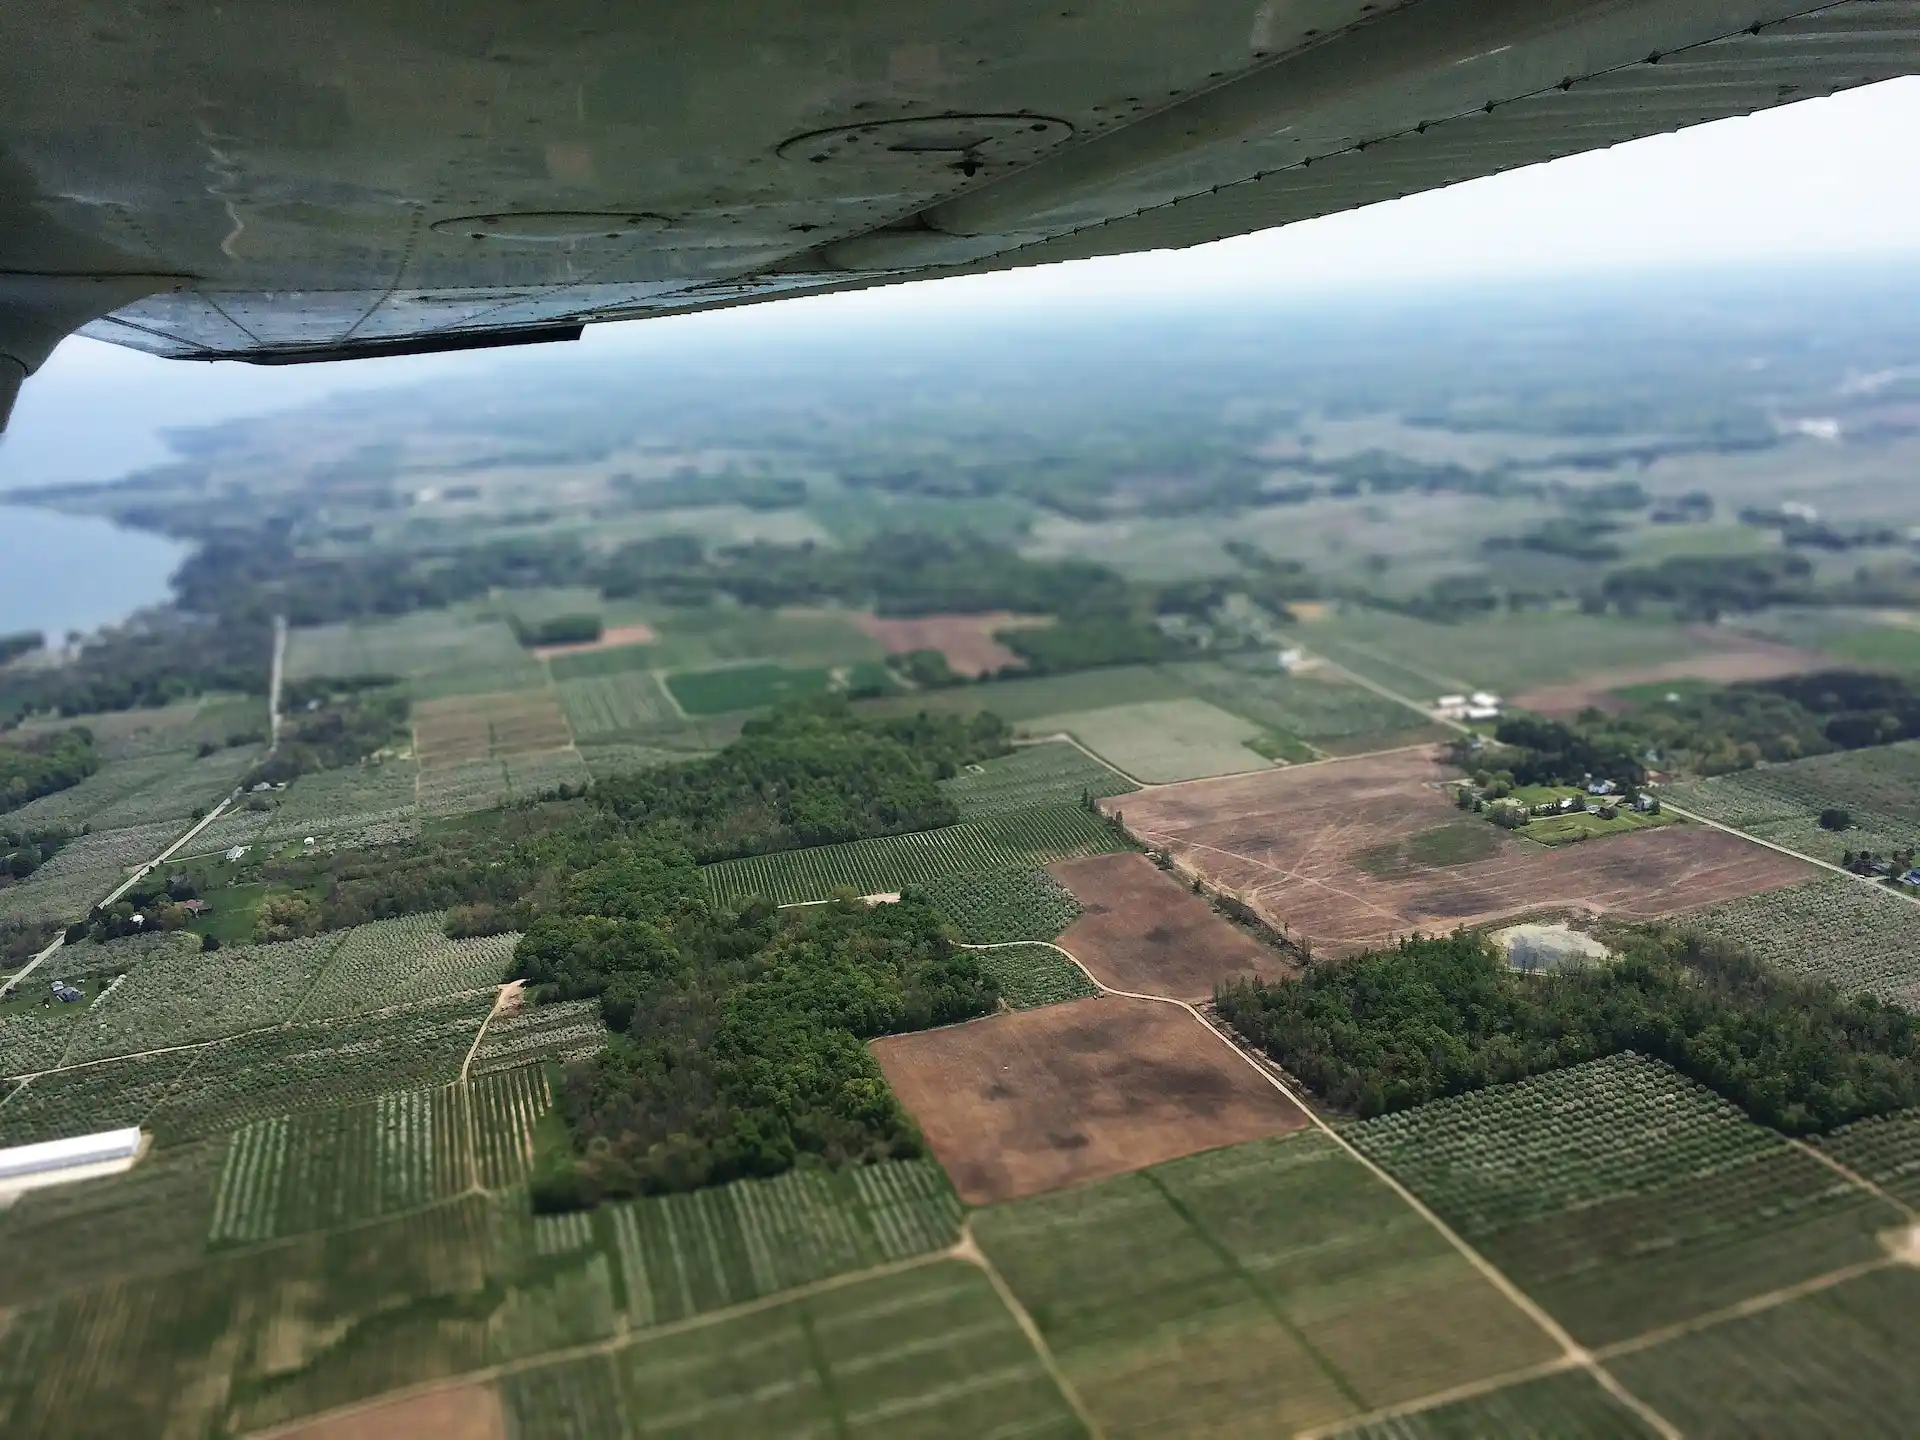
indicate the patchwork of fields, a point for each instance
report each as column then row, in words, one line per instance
column 1017, row 840
column 1349, row 854
column 1836, row 928
column 1879, row 788
column 1157, row 741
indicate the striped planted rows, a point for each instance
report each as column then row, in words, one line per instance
column 395, row 962
column 295, row 1173
column 506, row 1108
column 1020, row 840
column 562, row 1031
column 681, row 1255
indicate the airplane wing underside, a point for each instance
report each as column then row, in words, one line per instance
column 287, row 180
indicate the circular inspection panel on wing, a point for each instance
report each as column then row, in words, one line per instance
column 932, row 142
column 553, row 227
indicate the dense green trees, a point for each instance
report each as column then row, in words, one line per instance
column 334, row 730
column 738, row 1043
column 1434, row 1017
column 43, row 764
column 810, row 774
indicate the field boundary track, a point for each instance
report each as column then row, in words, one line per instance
column 1573, row 1354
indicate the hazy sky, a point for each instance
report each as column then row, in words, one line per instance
column 1822, row 179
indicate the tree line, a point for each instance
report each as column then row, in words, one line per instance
column 1427, row 1018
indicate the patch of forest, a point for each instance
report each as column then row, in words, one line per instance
column 1396, row 1028
column 738, row 1042
column 1706, row 732
column 43, row 764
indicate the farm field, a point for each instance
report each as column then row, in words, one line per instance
column 1054, row 773
column 1567, row 1406
column 356, row 805
column 1836, row 1362
column 892, row 863
column 459, row 788
column 1733, row 658
column 327, row 1168
column 1018, row 1104
column 967, row 641
column 1870, row 639
column 439, row 652
column 1032, row 974
column 126, row 789
column 480, row 727
column 1022, row 701
column 1005, row 905
column 185, row 996
column 1855, row 935
column 930, row 1351
column 310, row 1066
column 1623, row 1197
column 598, row 706
column 1159, row 741
column 539, row 1032
column 185, row 725
column 1327, row 712
column 84, row 871
column 745, row 687
column 1508, row 653
column 1141, row 930
column 1343, row 855
column 93, row 1097
column 393, row 962
column 1878, row 787
column 1253, row 1290
column 1885, row 1151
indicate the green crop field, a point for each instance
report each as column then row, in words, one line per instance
column 1032, row 974
column 1051, row 774
column 755, row 686
column 357, row 805
column 457, row 789
column 1855, row 935
column 894, row 862
column 561, row 1031
column 1004, row 905
column 1505, row 652
column 185, row 996
column 1274, row 1285
column 185, row 725
column 529, row 777
column 1837, row 1362
column 312, row 1066
column 681, row 1255
column 1024, row 700
column 393, row 962
column 1159, row 741
column 1567, row 1406
column 93, row 1097
column 1878, row 787
column 1326, row 711
column 1622, row 1196
column 1885, row 1151
column 113, row 785
column 597, row 706
column 931, row 1351
column 507, row 1106
column 426, row 643
column 326, row 1168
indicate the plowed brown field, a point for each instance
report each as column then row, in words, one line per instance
column 966, row 640
column 1736, row 658
column 1323, row 850
column 1021, row 1103
column 1142, row 930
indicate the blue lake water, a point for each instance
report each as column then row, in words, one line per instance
column 66, row 572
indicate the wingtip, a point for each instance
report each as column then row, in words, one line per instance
column 12, row 375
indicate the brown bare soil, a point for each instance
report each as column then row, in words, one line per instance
column 612, row 638
column 469, row 1412
column 966, row 640
column 1022, row 1103
column 1733, row 658
column 1324, row 850
column 1140, row 929
column 477, row 727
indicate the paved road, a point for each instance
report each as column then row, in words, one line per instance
column 273, row 684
